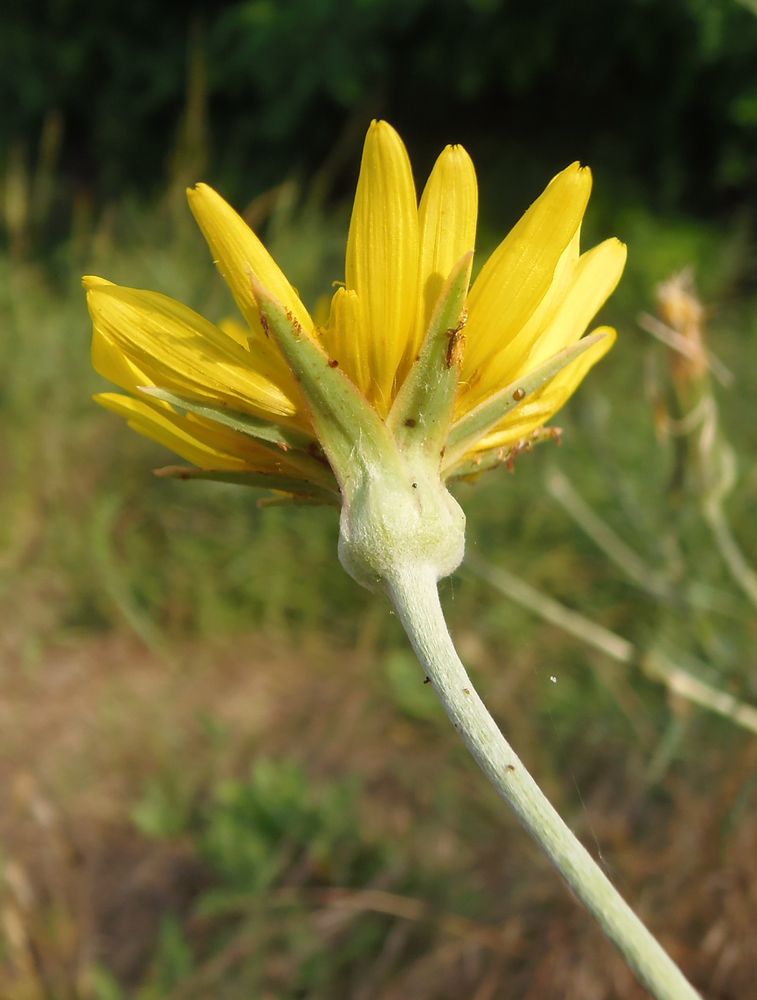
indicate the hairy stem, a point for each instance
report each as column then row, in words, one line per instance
column 413, row 593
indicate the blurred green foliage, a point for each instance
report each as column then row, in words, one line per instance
column 662, row 92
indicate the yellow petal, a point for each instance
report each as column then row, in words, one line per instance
column 572, row 302
column 264, row 350
column 595, row 278
column 236, row 330
column 169, row 430
column 237, row 251
column 545, row 404
column 503, row 359
column 110, row 362
column 95, row 281
column 382, row 258
column 447, row 230
column 107, row 358
column 573, row 374
column 321, row 310
column 180, row 351
column 342, row 336
column 203, row 442
column 519, row 273
column 522, row 425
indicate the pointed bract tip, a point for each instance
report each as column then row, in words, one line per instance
column 608, row 333
column 267, row 303
column 259, row 291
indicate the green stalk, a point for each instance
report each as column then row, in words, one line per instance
column 413, row 592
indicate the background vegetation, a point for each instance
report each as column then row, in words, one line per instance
column 223, row 775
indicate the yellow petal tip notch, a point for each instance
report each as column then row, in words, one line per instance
column 91, row 281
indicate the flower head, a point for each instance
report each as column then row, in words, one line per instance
column 412, row 372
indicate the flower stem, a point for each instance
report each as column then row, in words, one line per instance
column 413, row 593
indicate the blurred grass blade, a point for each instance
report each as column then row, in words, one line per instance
column 654, row 664
column 636, row 569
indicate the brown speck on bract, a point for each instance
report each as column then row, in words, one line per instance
column 295, row 325
column 410, row 422
column 333, row 363
column 455, row 346
column 510, row 767
column 466, row 691
column 264, row 324
column 519, row 394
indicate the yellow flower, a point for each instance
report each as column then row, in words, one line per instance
column 229, row 400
